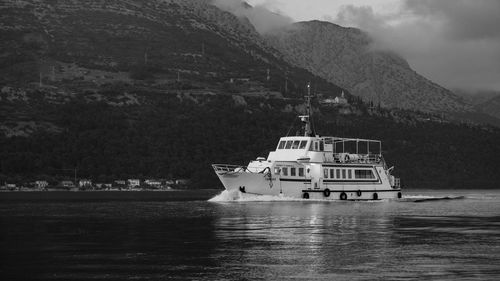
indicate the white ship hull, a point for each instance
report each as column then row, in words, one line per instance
column 265, row 183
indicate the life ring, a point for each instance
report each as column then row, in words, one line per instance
column 400, row 195
column 326, row 192
column 375, row 196
column 359, row 193
column 343, row 196
column 242, row 189
column 305, row 195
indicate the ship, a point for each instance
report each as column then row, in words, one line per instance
column 309, row 166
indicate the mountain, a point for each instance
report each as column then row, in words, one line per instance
column 157, row 41
column 72, row 47
column 347, row 57
column 137, row 89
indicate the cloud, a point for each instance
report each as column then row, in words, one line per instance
column 261, row 18
column 453, row 42
column 461, row 19
column 362, row 16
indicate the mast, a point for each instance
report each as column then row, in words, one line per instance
column 306, row 119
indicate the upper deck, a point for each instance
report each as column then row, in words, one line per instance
column 327, row 149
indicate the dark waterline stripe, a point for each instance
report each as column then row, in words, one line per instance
column 350, row 166
column 373, row 190
column 352, row 181
column 333, row 181
column 299, row 180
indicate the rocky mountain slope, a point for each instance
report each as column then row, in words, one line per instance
column 346, row 56
column 163, row 40
column 64, row 49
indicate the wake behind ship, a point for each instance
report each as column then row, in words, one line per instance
column 316, row 167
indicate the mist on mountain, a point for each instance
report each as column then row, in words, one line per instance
column 261, row 18
column 453, row 43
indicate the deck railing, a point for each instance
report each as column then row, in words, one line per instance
column 228, row 169
column 225, row 168
column 357, row 158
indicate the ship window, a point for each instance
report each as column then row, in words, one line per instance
column 296, row 144
column 343, row 173
column 349, row 174
column 321, row 146
column 338, row 173
column 281, row 145
column 288, row 144
column 276, row 170
column 315, row 146
column 325, row 173
column 303, row 144
column 284, row 170
column 363, row 174
column 301, row 172
column 332, row 173
column 292, row 172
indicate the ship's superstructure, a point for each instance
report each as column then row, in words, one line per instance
column 314, row 167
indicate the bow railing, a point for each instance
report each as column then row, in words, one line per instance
column 225, row 168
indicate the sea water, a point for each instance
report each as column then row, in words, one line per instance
column 234, row 237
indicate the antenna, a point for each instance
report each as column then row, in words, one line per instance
column 306, row 119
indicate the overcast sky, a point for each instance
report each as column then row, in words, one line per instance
column 455, row 43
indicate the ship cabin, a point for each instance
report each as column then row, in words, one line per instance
column 321, row 150
column 327, row 150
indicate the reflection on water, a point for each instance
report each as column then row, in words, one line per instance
column 357, row 241
column 276, row 240
column 301, row 240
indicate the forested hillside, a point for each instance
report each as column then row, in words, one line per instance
column 179, row 136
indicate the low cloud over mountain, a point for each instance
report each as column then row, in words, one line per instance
column 261, row 18
column 454, row 42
